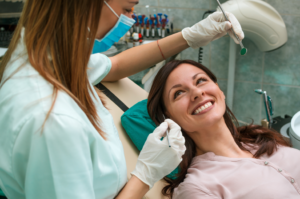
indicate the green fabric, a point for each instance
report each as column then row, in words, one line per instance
column 1, row 193
column 138, row 125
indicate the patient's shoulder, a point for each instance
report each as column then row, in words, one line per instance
column 192, row 187
column 192, row 191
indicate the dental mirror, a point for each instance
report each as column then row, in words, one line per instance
column 243, row 49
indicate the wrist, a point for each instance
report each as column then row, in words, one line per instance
column 140, row 184
column 184, row 42
column 134, row 189
column 184, row 34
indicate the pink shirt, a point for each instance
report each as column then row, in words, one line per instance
column 213, row 177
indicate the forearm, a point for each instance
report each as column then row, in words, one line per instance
column 142, row 57
column 134, row 189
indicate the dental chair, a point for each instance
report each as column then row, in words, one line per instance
column 119, row 96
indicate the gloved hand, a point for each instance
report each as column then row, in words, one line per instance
column 157, row 159
column 212, row 28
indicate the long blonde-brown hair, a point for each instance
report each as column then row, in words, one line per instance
column 65, row 31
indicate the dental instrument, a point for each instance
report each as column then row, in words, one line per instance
column 147, row 23
column 137, row 27
column 268, row 106
column 158, row 30
column 153, row 26
column 140, row 17
column 170, row 18
column 167, row 24
column 159, row 14
column 143, row 22
column 167, row 133
column 132, row 27
column 140, row 21
column 163, row 32
column 142, row 28
column 243, row 49
column 155, row 18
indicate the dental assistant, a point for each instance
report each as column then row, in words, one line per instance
column 57, row 139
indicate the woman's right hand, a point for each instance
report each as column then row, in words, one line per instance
column 157, row 159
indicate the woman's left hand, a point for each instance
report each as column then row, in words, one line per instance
column 212, row 28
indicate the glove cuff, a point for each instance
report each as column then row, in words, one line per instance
column 185, row 36
column 193, row 38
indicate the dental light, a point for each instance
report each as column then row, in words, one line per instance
column 261, row 23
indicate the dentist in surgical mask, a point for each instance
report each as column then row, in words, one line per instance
column 57, row 139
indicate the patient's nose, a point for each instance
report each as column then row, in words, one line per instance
column 196, row 93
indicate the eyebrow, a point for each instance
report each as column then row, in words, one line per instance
column 179, row 85
column 194, row 77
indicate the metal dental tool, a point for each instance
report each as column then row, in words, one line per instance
column 167, row 133
column 268, row 106
column 243, row 49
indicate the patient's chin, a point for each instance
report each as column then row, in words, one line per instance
column 205, row 123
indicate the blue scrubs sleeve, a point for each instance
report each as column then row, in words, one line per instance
column 59, row 162
column 98, row 67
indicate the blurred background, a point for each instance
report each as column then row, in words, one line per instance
column 277, row 72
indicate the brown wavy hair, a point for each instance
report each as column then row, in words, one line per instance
column 64, row 30
column 267, row 140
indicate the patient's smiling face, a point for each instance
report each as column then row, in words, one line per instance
column 192, row 99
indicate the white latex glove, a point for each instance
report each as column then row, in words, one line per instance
column 157, row 159
column 212, row 28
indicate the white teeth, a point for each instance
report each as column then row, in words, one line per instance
column 205, row 106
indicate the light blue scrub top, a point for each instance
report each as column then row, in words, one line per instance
column 68, row 159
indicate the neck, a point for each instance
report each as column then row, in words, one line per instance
column 219, row 140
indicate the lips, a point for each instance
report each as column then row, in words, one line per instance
column 202, row 106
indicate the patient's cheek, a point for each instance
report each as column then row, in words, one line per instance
column 188, row 128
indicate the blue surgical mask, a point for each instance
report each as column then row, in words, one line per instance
column 114, row 35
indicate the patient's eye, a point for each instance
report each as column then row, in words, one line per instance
column 177, row 93
column 201, row 80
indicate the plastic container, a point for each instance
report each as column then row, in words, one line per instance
column 295, row 131
column 136, row 39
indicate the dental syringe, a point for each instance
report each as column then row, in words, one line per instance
column 243, row 49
